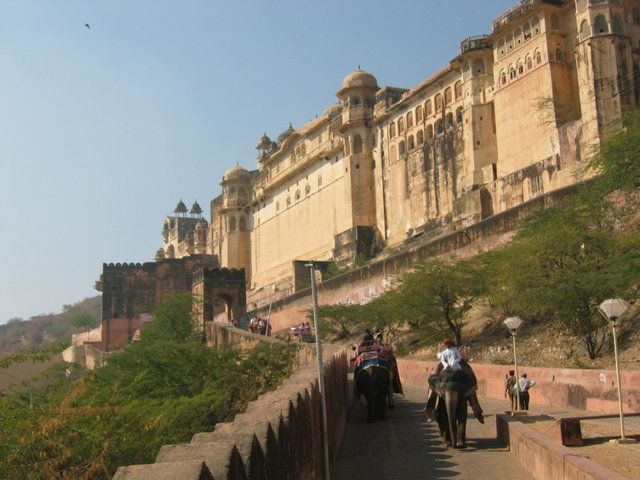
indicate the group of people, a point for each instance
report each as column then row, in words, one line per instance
column 297, row 332
column 258, row 325
column 518, row 388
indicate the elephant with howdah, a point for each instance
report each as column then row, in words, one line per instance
column 454, row 389
column 373, row 382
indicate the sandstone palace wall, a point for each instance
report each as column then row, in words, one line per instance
column 511, row 119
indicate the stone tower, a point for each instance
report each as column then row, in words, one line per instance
column 358, row 98
column 234, row 248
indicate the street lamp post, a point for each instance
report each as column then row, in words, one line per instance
column 320, row 366
column 513, row 324
column 613, row 309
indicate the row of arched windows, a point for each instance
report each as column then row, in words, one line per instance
column 297, row 194
column 231, row 190
column 521, row 35
column 530, row 62
column 433, row 129
column 601, row 26
column 422, row 112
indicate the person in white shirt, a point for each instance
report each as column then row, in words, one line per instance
column 524, row 385
column 450, row 357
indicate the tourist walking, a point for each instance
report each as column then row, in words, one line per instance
column 510, row 389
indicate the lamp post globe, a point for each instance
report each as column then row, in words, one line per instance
column 513, row 324
column 613, row 309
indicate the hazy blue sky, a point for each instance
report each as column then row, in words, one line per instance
column 103, row 130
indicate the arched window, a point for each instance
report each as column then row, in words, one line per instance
column 449, row 121
column 420, row 137
column 297, row 195
column 241, row 191
column 242, row 224
column 447, row 96
column 512, row 73
column 409, row 120
column 538, row 56
column 529, row 62
column 288, row 201
column 319, row 180
column 400, row 125
column 427, row 108
column 458, row 90
column 418, row 113
column 439, row 127
column 307, row 190
column 503, row 78
column 429, row 132
column 410, row 143
column 478, row 66
column 616, row 25
column 555, row 22
column 559, row 55
column 392, row 130
column 517, row 35
column 585, row 30
column 232, row 190
column 357, row 144
column 509, row 42
column 459, row 115
column 232, row 224
column 401, row 149
column 520, row 67
column 500, row 47
column 526, row 31
column 438, row 102
column 600, row 25
column 535, row 25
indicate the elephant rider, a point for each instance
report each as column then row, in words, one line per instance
column 451, row 360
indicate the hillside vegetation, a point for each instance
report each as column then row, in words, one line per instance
column 561, row 265
column 44, row 330
column 159, row 390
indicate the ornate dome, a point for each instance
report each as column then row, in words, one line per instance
column 195, row 209
column 180, row 207
column 264, row 143
column 236, row 173
column 359, row 78
column 286, row 134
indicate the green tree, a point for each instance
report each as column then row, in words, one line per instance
column 84, row 320
column 436, row 296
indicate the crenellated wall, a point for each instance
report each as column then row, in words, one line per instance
column 278, row 436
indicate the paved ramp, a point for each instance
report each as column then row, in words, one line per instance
column 406, row 447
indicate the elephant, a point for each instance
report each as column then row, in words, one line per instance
column 374, row 383
column 454, row 389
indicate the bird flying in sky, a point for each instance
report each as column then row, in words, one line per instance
column 88, row 26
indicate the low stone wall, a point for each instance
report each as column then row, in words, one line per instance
column 593, row 390
column 545, row 459
column 278, row 436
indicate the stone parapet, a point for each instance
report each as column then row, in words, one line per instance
column 543, row 458
column 592, row 390
column 278, row 436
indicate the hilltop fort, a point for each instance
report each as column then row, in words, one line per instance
column 507, row 121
